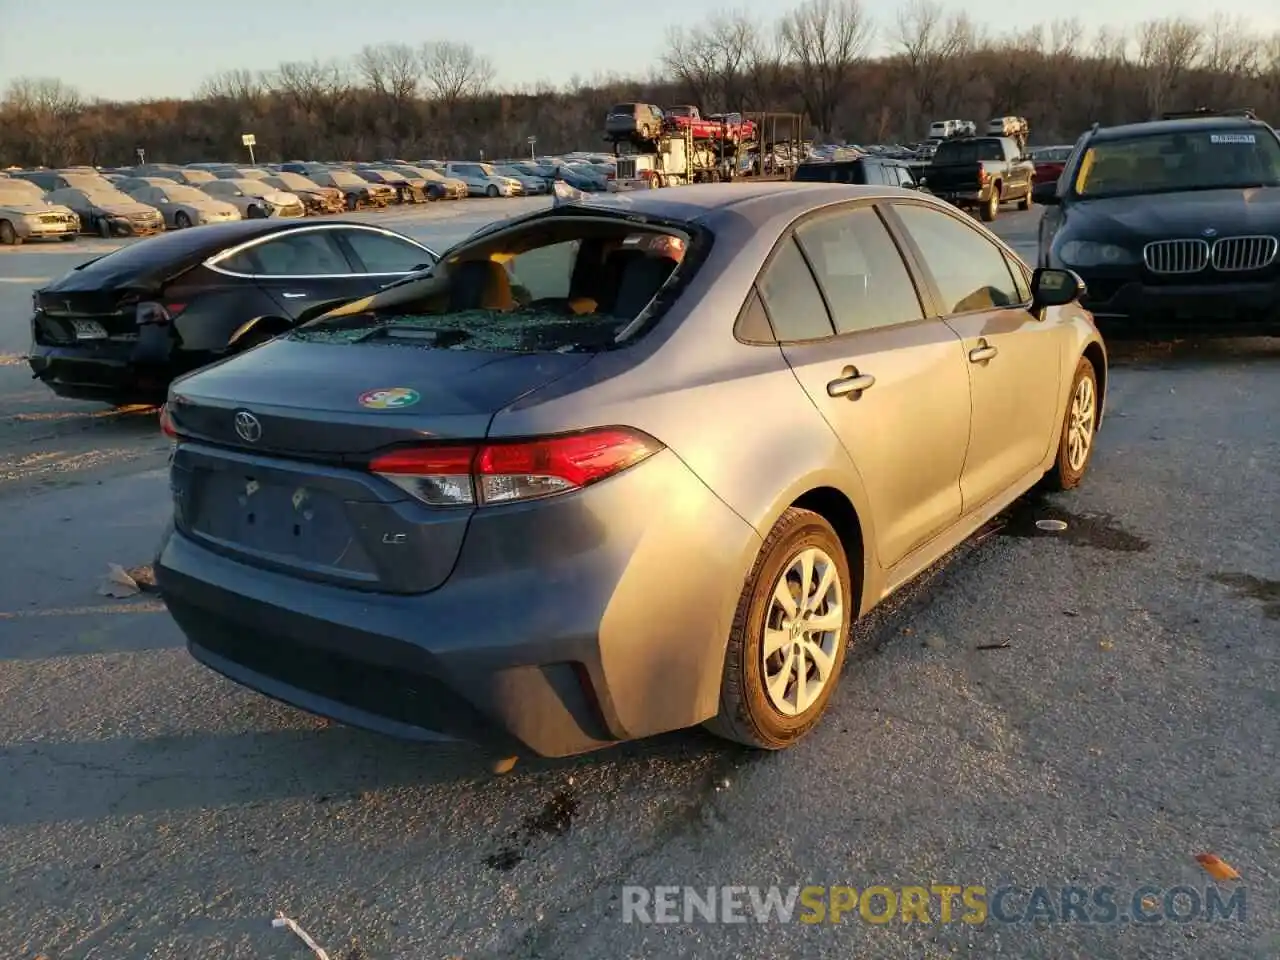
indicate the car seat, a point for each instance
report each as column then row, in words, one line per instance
column 642, row 277
column 480, row 285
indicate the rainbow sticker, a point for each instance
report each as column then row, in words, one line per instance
column 389, row 398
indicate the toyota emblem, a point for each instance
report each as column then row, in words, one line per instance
column 248, row 428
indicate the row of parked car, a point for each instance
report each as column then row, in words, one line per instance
column 138, row 201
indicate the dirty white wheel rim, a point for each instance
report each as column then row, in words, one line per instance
column 1080, row 424
column 802, row 632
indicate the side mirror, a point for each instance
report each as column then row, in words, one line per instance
column 1055, row 288
column 1045, row 194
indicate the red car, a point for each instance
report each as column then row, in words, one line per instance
column 1049, row 162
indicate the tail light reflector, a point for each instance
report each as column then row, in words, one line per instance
column 167, row 426
column 509, row 471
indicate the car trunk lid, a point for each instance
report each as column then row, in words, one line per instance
column 273, row 467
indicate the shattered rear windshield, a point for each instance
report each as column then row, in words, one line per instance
column 559, row 284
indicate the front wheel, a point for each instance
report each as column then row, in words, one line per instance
column 8, row 235
column 1025, row 202
column 104, row 228
column 789, row 634
column 181, row 220
column 492, row 191
column 1079, row 428
column 257, row 213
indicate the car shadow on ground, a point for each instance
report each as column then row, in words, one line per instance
column 1192, row 351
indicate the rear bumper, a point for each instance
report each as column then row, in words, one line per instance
column 108, row 370
column 1134, row 309
column 566, row 626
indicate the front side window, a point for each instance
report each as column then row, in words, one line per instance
column 860, row 270
column 380, row 253
column 970, row 271
column 308, row 254
column 1229, row 158
column 791, row 297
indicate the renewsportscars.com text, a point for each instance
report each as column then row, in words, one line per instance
column 937, row 903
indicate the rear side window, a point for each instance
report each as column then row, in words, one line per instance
column 815, row 173
column 794, row 304
column 860, row 270
column 380, row 253
column 970, row 151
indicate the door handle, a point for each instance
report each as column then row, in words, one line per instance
column 851, row 384
column 293, row 296
column 982, row 353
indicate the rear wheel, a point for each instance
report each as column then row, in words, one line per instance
column 789, row 634
column 8, row 236
column 1025, row 202
column 181, row 220
column 991, row 207
column 1079, row 427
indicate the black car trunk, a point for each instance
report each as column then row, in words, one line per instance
column 289, row 489
column 70, row 315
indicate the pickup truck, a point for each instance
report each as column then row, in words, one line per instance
column 729, row 126
column 981, row 173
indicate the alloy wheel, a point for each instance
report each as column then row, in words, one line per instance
column 1080, row 427
column 802, row 632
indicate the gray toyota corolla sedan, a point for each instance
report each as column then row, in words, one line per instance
column 622, row 466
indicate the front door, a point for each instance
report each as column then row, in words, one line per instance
column 891, row 384
column 306, row 269
column 1013, row 358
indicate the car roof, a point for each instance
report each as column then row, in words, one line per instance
column 1180, row 125
column 756, row 202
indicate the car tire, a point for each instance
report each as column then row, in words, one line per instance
column 491, row 192
column 749, row 708
column 68, row 237
column 257, row 213
column 1079, row 427
column 991, row 208
column 181, row 221
column 104, row 228
column 8, row 235
column 1024, row 203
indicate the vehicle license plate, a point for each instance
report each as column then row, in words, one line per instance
column 89, row 330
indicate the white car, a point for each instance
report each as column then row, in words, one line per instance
column 483, row 181
column 530, row 185
column 255, row 199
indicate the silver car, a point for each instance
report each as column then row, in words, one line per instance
column 25, row 214
column 255, row 198
column 483, row 180
column 181, row 205
column 621, row 466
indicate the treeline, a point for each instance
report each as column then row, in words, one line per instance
column 438, row 99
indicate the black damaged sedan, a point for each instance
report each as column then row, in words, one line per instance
column 1173, row 224
column 121, row 327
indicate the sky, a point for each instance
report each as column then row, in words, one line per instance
column 135, row 49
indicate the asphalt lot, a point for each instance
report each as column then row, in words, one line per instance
column 151, row 809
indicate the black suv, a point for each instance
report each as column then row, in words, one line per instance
column 1173, row 224
column 876, row 171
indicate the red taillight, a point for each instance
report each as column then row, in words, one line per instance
column 513, row 470
column 983, row 175
column 167, row 426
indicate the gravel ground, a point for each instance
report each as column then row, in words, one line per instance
column 1125, row 721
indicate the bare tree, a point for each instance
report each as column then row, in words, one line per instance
column 392, row 73
column 710, row 61
column 45, row 108
column 763, row 69
column 454, row 71
column 1167, row 49
column 243, row 86
column 825, row 39
column 931, row 42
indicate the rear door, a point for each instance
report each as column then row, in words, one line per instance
column 891, row 383
column 1013, row 356
column 301, row 270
